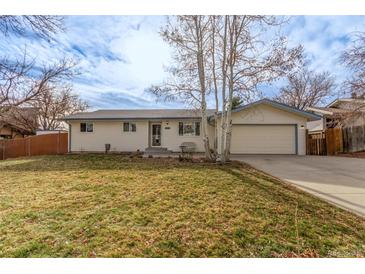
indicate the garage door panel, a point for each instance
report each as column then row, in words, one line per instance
column 263, row 139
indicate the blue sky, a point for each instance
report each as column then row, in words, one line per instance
column 120, row 56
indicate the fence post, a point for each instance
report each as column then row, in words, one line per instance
column 363, row 138
column 4, row 150
column 306, row 142
column 58, row 142
column 29, row 144
column 340, row 139
column 328, row 136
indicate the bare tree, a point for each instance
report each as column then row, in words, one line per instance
column 215, row 28
column 248, row 59
column 24, row 118
column 54, row 103
column 354, row 59
column 189, row 36
column 225, row 55
column 306, row 88
column 42, row 25
column 21, row 83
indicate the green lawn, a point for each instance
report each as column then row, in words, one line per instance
column 115, row 206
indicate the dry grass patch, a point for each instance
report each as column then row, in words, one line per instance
column 114, row 206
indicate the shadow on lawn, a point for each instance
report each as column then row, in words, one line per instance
column 88, row 162
column 262, row 184
column 280, row 193
column 96, row 162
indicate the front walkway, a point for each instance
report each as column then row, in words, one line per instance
column 339, row 180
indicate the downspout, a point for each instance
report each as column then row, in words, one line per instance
column 296, row 138
column 69, row 137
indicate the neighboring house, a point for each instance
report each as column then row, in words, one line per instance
column 262, row 127
column 18, row 124
column 11, row 131
column 344, row 112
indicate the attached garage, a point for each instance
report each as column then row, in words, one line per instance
column 264, row 139
column 269, row 127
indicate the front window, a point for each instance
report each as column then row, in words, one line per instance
column 86, row 127
column 189, row 128
column 129, row 127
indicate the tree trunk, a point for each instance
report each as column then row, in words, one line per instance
column 208, row 154
column 232, row 51
column 223, row 114
column 202, row 79
column 215, row 145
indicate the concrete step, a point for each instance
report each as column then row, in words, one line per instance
column 157, row 150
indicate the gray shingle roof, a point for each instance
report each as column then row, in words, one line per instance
column 135, row 114
column 119, row 114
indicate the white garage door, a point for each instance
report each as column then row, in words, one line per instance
column 263, row 139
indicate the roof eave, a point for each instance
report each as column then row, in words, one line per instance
column 309, row 116
column 324, row 112
column 124, row 119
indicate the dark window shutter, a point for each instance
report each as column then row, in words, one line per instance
column 83, row 127
column 181, row 128
column 125, row 127
column 197, row 128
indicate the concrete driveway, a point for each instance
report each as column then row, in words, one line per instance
column 338, row 180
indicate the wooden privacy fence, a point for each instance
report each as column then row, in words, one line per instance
column 316, row 144
column 336, row 140
column 47, row 144
column 353, row 139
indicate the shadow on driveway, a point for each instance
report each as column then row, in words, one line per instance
column 339, row 180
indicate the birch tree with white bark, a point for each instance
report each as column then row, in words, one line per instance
column 189, row 81
column 224, row 57
column 247, row 58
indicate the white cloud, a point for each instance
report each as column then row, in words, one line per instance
column 122, row 55
column 324, row 38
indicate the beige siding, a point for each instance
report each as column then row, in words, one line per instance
column 109, row 132
column 266, row 114
column 211, row 135
column 170, row 137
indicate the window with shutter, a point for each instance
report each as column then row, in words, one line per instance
column 129, row 127
column 86, row 127
column 189, row 128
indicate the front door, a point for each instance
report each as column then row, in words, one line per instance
column 156, row 135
